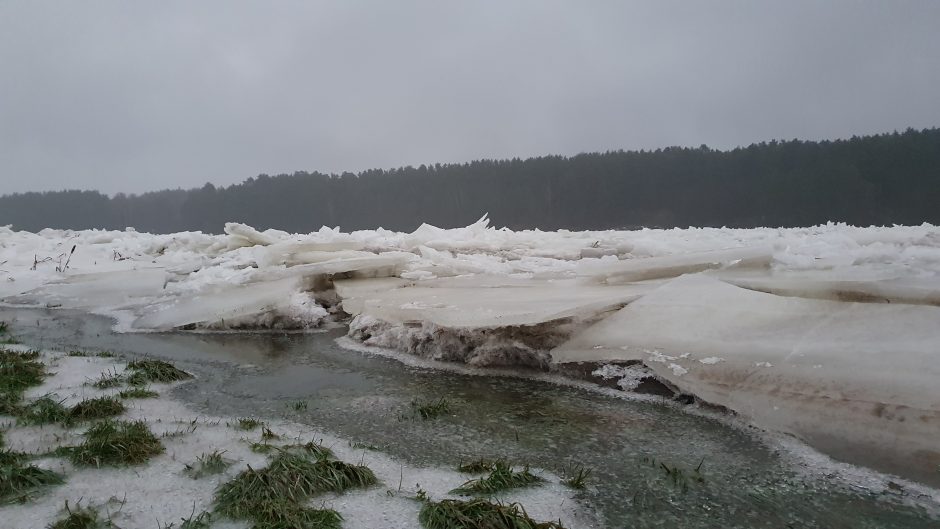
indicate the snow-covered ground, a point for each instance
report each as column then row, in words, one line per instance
column 830, row 332
column 160, row 493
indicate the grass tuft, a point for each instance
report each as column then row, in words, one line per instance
column 59, row 451
column 146, row 371
column 109, row 379
column 268, row 435
column 202, row 520
column 249, row 423
column 138, row 393
column 18, row 483
column 5, row 332
column 32, row 354
column 117, row 443
column 679, row 477
column 81, row 518
column 48, row 410
column 261, row 448
column 98, row 408
column 208, row 464
column 312, row 448
column 478, row 513
column 182, row 429
column 20, row 371
column 477, row 467
column 11, row 458
column 290, row 515
column 10, row 402
column 430, row 410
column 501, row 477
column 86, row 354
column 137, row 379
column 576, row 477
column 273, row 496
column 44, row 410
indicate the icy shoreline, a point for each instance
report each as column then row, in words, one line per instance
column 828, row 333
column 161, row 492
column 816, row 472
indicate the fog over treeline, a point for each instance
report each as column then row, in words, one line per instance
column 884, row 179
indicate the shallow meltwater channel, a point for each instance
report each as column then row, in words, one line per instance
column 652, row 465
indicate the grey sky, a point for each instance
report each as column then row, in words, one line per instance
column 136, row 96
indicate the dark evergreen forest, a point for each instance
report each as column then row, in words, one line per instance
column 883, row 179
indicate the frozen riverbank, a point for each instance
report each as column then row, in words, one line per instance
column 828, row 333
column 750, row 479
column 197, row 455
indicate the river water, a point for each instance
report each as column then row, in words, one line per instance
column 629, row 444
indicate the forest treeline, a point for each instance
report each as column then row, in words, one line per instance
column 882, row 179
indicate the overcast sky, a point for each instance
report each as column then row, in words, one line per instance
column 135, row 96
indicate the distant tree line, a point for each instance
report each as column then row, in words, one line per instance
column 883, row 179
